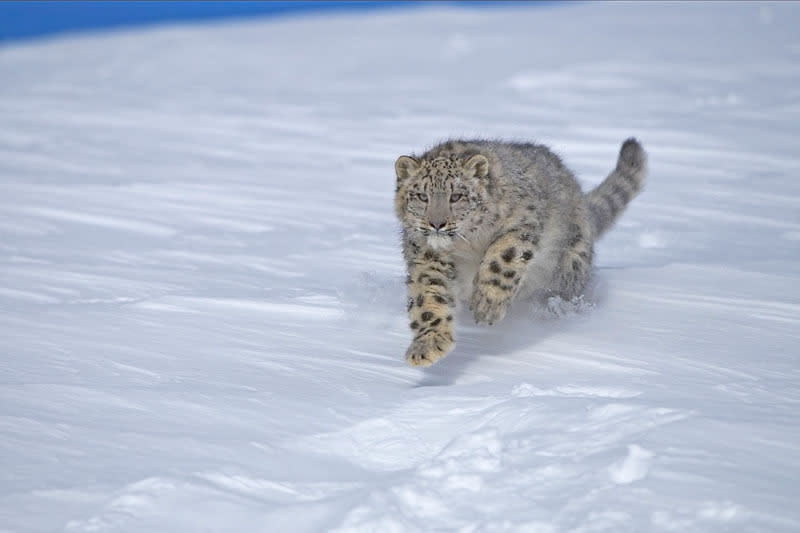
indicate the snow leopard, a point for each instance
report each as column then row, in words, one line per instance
column 487, row 223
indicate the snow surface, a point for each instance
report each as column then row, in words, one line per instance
column 201, row 292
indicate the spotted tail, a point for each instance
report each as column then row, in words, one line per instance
column 607, row 201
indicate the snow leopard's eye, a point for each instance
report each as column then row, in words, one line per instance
column 456, row 197
column 422, row 197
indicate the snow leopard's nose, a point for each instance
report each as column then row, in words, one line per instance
column 438, row 210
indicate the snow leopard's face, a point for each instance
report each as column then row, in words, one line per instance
column 438, row 198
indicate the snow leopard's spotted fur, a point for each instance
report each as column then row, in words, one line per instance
column 489, row 222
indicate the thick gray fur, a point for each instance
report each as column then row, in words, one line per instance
column 488, row 222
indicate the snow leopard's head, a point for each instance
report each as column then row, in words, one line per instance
column 438, row 198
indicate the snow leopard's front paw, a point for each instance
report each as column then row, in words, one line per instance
column 488, row 306
column 428, row 348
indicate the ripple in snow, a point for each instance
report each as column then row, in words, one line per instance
column 633, row 467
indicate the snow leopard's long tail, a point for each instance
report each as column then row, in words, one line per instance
column 607, row 201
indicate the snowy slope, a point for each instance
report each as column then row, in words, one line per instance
column 201, row 299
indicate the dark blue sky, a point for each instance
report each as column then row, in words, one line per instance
column 32, row 18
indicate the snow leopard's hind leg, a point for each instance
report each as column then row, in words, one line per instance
column 575, row 265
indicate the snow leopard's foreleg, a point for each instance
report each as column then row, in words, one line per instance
column 502, row 271
column 430, row 307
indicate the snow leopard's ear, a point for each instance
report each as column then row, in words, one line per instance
column 405, row 167
column 477, row 166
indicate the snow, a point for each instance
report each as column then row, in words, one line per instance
column 201, row 291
